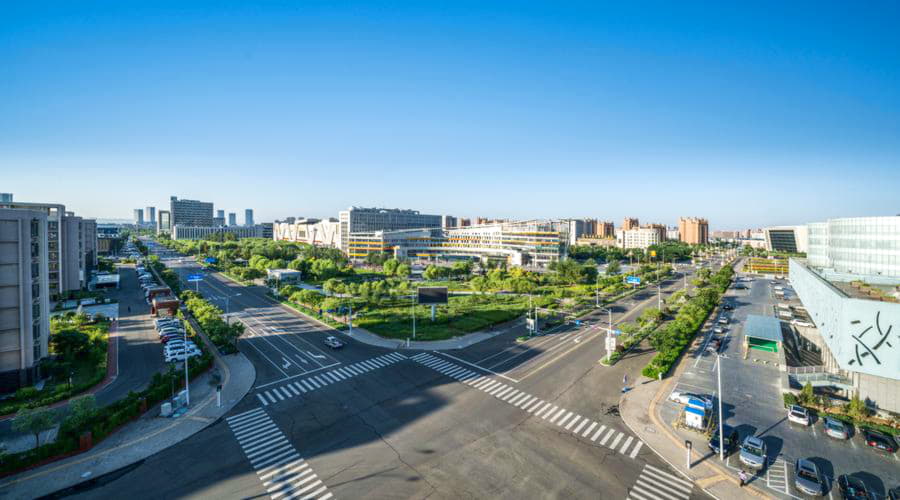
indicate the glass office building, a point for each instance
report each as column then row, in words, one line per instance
column 866, row 248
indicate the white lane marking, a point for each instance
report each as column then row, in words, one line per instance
column 589, row 429
column 498, row 388
column 558, row 414
column 575, row 419
column 607, row 436
column 243, row 416
column 298, row 386
column 518, row 398
column 526, row 401
column 501, row 393
column 513, row 393
column 547, row 414
column 584, row 422
column 286, row 364
column 315, row 356
column 270, row 397
column 637, row 447
column 565, row 419
column 626, row 444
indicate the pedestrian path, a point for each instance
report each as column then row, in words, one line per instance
column 315, row 382
column 283, row 473
column 580, row 426
column 655, row 483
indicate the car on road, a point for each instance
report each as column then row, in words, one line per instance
column 740, row 287
column 731, row 439
column 798, row 415
column 728, row 307
column 685, row 397
column 333, row 342
column 807, row 478
column 836, row 429
column 719, row 330
column 879, row 441
column 753, row 452
column 723, row 321
column 714, row 345
column 852, row 488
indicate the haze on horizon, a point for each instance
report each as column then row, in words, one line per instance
column 778, row 114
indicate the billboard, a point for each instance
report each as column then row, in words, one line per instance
column 633, row 280
column 432, row 294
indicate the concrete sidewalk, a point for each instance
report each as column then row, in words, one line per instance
column 460, row 342
column 639, row 410
column 141, row 438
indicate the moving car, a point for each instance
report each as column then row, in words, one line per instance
column 879, row 441
column 333, row 342
column 798, row 415
column 753, row 452
column 807, row 478
column 852, row 488
column 685, row 397
column 836, row 429
column 731, row 440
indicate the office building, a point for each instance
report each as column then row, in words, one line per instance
column 24, row 296
column 791, row 239
column 641, row 237
column 630, row 223
column 693, row 230
column 367, row 220
column 218, row 221
column 464, row 222
column 202, row 232
column 326, row 233
column 673, row 234
column 150, row 216
column 268, row 230
column 448, row 221
column 109, row 240
column 190, row 212
column 164, row 222
column 248, row 217
column 6, row 197
column 866, row 248
column 220, row 214
column 526, row 243
column 232, row 219
column 90, row 236
column 138, row 217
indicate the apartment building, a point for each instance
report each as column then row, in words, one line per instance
column 190, row 212
column 150, row 215
column 630, row 223
column 641, row 237
column 139, row 216
column 606, row 229
column 24, row 295
column 248, row 217
column 693, row 230
column 232, row 219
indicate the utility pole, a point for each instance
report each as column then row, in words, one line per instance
column 187, row 381
column 721, row 419
column 413, row 308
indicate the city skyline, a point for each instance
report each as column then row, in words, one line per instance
column 307, row 111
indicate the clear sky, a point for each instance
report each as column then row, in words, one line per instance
column 786, row 113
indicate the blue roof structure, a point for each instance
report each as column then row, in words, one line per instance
column 763, row 327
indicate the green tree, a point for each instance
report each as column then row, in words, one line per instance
column 390, row 266
column 34, row 421
column 613, row 268
column 403, row 270
column 857, row 408
column 806, row 394
column 70, row 342
column 81, row 410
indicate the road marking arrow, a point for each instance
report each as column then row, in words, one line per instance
column 286, row 363
column 317, row 356
column 301, row 358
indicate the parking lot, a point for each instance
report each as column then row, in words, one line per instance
column 752, row 403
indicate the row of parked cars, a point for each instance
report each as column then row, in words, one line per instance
column 146, row 281
column 177, row 346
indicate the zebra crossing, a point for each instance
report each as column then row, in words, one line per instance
column 324, row 379
column 284, row 474
column 580, row 426
column 655, row 483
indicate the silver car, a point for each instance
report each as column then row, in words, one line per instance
column 753, row 452
column 836, row 429
column 807, row 478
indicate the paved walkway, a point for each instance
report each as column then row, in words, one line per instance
column 141, row 438
column 639, row 409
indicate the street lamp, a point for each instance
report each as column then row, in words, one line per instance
column 721, row 417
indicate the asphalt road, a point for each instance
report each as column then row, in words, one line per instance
column 365, row 422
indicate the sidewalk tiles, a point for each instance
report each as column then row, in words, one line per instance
column 315, row 382
column 547, row 411
column 284, row 474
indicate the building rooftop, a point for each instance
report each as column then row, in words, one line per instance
column 763, row 327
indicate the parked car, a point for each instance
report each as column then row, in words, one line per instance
column 177, row 351
column 715, row 345
column 161, row 323
column 180, row 357
column 731, row 440
column 753, row 452
column 798, row 415
column 685, row 397
column 879, row 441
column 807, row 478
column 720, row 330
column 729, row 307
column 836, row 429
column 852, row 488
column 723, row 321
column 174, row 336
column 180, row 343
column 333, row 342
column 171, row 330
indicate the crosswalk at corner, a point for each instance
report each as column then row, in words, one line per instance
column 284, row 474
column 580, row 427
column 655, row 483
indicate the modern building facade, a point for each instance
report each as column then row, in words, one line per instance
column 316, row 232
column 630, row 223
column 190, row 212
column 232, row 219
column 606, row 229
column 139, row 216
column 791, row 239
column 201, row 232
column 150, row 216
column 448, row 221
column 368, row 220
column 641, row 237
column 6, row 197
column 857, row 332
column 526, row 243
column 164, row 222
column 24, row 296
column 248, row 217
column 866, row 248
column 693, row 230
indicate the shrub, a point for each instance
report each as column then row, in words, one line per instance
column 789, row 399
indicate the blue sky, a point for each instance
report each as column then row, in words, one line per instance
column 780, row 114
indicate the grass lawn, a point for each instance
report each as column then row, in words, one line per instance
column 461, row 316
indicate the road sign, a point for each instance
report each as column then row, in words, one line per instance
column 633, row 280
column 610, row 344
column 210, row 260
column 195, row 277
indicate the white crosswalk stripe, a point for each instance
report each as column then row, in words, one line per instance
column 578, row 425
column 283, row 474
column 311, row 383
column 654, row 483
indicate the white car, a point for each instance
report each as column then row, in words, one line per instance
column 685, row 397
column 181, row 356
column 798, row 415
column 192, row 351
column 179, row 344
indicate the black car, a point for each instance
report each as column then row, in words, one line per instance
column 731, row 440
column 728, row 307
column 879, row 441
column 852, row 488
column 740, row 287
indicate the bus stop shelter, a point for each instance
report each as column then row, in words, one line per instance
column 762, row 333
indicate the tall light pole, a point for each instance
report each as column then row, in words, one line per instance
column 187, row 381
column 413, row 309
column 598, row 290
column 721, row 417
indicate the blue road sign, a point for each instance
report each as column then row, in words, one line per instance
column 195, row 277
column 633, row 280
column 211, row 260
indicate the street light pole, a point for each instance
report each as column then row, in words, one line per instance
column 721, row 417
column 413, row 309
column 187, row 381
